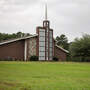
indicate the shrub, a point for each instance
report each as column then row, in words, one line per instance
column 34, row 58
column 55, row 59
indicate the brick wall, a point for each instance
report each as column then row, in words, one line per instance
column 60, row 53
column 31, row 48
column 13, row 50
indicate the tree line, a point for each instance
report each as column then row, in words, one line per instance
column 79, row 49
column 6, row 36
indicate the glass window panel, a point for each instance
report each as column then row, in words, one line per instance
column 42, row 39
column 41, row 48
column 42, row 34
column 41, row 58
column 50, row 39
column 42, row 54
column 50, row 35
column 51, row 44
column 50, row 54
column 51, row 49
column 41, row 43
column 42, row 30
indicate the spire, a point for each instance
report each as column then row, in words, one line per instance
column 45, row 10
column 46, row 22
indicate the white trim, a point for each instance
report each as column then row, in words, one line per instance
column 23, row 38
column 25, row 50
column 62, row 49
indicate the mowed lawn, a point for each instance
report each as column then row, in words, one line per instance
column 44, row 76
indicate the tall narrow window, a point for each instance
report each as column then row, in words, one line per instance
column 42, row 44
column 50, row 45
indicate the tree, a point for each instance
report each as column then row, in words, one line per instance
column 4, row 36
column 62, row 41
column 81, row 48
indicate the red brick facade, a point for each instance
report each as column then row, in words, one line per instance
column 14, row 50
column 60, row 54
column 31, row 47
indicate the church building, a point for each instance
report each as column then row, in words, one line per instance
column 41, row 44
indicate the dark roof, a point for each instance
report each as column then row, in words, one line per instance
column 14, row 40
column 62, row 49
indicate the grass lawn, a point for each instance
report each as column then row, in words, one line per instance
column 44, row 76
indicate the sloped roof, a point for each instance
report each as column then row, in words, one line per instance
column 62, row 49
column 23, row 38
column 14, row 40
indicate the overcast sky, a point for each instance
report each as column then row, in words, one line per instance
column 69, row 17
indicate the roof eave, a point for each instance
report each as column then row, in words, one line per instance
column 23, row 38
column 63, row 49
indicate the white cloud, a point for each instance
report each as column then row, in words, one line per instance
column 70, row 17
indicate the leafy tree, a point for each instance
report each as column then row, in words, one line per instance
column 81, row 48
column 4, row 36
column 20, row 34
column 62, row 41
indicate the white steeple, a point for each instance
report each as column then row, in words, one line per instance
column 45, row 10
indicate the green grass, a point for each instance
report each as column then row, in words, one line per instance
column 44, row 76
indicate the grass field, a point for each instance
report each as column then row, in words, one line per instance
column 44, row 76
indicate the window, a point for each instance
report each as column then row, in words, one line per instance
column 51, row 45
column 42, row 54
column 41, row 58
column 42, row 32
column 50, row 54
column 42, row 39
column 41, row 44
column 42, row 49
column 51, row 49
column 51, row 33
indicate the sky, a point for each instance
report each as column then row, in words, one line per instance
column 69, row 17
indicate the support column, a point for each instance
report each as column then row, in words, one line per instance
column 25, row 51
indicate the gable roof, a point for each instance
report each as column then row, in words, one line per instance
column 62, row 49
column 18, row 39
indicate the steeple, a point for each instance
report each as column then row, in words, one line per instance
column 45, row 10
column 46, row 22
column 45, row 39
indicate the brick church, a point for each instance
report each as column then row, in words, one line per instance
column 41, row 44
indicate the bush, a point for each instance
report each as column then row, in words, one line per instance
column 34, row 58
column 55, row 59
column 80, row 59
